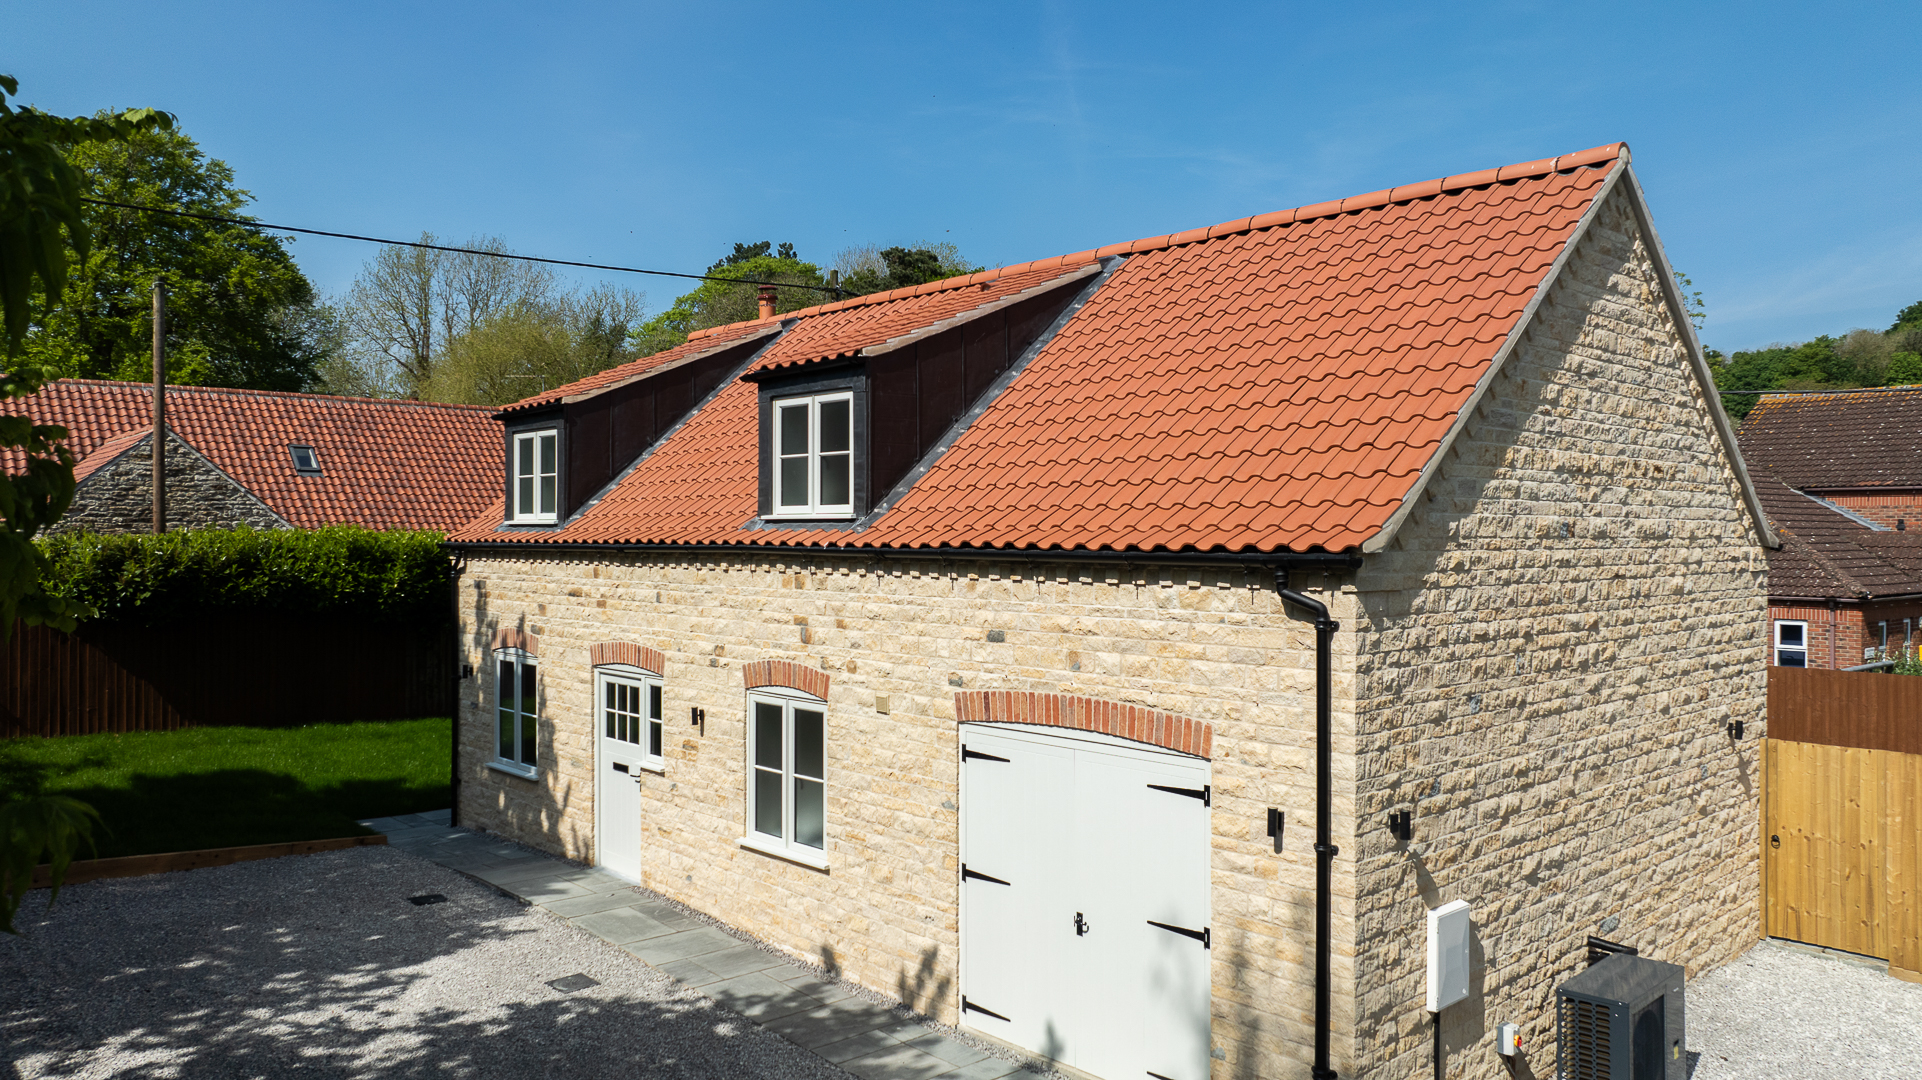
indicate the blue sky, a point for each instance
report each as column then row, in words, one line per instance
column 1778, row 143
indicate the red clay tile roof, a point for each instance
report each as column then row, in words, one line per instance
column 718, row 338
column 1824, row 553
column 1275, row 383
column 106, row 451
column 384, row 464
column 1824, row 442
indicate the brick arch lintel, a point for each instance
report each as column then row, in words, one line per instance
column 786, row 673
column 1132, row 722
column 508, row 637
column 647, row 659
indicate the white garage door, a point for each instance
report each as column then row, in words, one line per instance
column 1084, row 900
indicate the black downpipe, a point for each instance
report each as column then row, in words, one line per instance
column 457, row 567
column 1325, row 850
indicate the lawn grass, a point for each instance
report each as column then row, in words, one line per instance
column 160, row 791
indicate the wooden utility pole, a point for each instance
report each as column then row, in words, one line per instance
column 159, row 408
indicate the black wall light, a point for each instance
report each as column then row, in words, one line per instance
column 698, row 718
column 1277, row 821
column 1735, row 730
column 1402, row 824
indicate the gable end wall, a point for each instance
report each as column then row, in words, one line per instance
column 1557, row 638
column 118, row 496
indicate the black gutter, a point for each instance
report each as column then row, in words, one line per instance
column 1325, row 850
column 1311, row 560
column 457, row 567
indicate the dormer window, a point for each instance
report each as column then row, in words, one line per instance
column 306, row 462
column 814, row 456
column 535, row 470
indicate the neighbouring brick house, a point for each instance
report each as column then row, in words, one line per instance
column 269, row 460
column 937, row 635
column 1840, row 475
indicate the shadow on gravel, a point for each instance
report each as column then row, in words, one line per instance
column 331, row 972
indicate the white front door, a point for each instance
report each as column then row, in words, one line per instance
column 628, row 707
column 1084, row 906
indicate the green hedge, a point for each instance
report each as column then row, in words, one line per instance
column 339, row 570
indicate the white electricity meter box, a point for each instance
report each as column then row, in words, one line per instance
column 1448, row 927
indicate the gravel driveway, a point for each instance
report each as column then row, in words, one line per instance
column 1783, row 1012
column 318, row 966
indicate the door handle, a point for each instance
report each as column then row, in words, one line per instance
column 1080, row 925
column 1775, row 841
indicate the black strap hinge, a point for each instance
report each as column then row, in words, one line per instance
column 1205, row 792
column 969, row 1006
column 979, row 876
column 1202, row 935
column 967, row 753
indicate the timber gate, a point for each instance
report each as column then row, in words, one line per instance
column 1842, row 814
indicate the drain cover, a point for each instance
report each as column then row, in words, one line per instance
column 427, row 898
column 573, row 983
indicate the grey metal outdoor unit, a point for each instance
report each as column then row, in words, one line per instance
column 1622, row 1019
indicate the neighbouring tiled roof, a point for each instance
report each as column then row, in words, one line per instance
column 1274, row 383
column 1826, row 554
column 1821, row 442
column 384, row 464
column 107, row 451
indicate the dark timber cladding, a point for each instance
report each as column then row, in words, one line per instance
column 917, row 392
column 605, row 432
column 1846, row 708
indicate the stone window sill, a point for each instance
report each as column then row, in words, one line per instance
column 803, row 856
column 522, row 772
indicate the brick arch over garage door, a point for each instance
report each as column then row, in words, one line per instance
column 1151, row 726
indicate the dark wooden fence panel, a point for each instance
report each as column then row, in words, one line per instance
column 256, row 671
column 1846, row 708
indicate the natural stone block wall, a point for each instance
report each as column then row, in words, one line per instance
column 899, row 639
column 118, row 496
column 1549, row 653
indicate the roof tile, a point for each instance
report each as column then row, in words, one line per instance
column 384, row 464
column 1276, row 383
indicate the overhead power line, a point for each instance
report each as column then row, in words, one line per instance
column 459, row 250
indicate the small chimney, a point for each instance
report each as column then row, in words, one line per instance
column 767, row 301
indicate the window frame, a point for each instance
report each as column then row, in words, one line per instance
column 1778, row 648
column 525, row 663
column 516, row 512
column 814, row 507
column 787, row 845
column 653, row 698
column 313, row 456
column 817, row 387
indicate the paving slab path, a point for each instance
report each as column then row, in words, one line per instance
column 839, row 1024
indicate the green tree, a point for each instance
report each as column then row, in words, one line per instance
column 860, row 270
column 408, row 303
column 868, row 269
column 734, row 299
column 532, row 347
column 238, row 307
column 43, row 224
column 1909, row 318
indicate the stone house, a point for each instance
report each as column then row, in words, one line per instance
column 1058, row 648
column 269, row 460
column 1840, row 475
